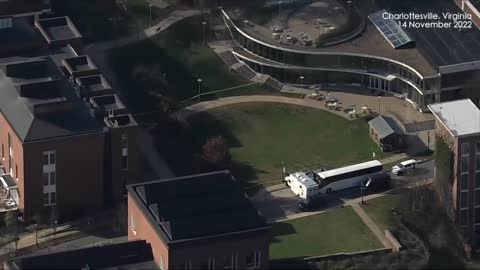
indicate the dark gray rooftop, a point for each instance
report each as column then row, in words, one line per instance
column 127, row 255
column 442, row 46
column 197, row 206
column 21, row 36
column 31, row 90
column 385, row 126
column 58, row 28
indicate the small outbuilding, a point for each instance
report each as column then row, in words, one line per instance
column 387, row 133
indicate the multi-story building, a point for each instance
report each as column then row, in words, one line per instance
column 422, row 65
column 66, row 138
column 458, row 125
column 201, row 221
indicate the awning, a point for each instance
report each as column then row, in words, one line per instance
column 8, row 182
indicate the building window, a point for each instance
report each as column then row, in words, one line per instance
column 477, row 179
column 6, row 23
column 3, row 152
column 477, row 162
column 477, row 215
column 477, row 148
column 16, row 172
column 188, row 265
column 464, row 181
column 463, row 217
column 45, row 179
column 464, row 162
column 10, row 154
column 53, row 198
column 230, row 262
column 463, row 200
column 465, row 149
column 124, row 151
column 133, row 226
column 253, row 260
column 53, row 178
column 477, row 197
column 45, row 158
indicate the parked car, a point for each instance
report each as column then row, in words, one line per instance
column 379, row 182
column 404, row 167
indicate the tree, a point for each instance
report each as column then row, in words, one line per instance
column 216, row 152
column 53, row 219
column 39, row 219
column 11, row 222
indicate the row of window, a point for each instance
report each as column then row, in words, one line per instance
column 464, row 183
column 6, row 23
column 11, row 162
column 229, row 262
column 49, row 169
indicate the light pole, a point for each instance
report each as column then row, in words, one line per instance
column 204, row 25
column 199, row 85
column 379, row 98
column 364, row 186
column 301, row 81
column 150, row 9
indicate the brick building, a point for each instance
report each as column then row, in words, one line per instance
column 66, row 139
column 198, row 222
column 458, row 124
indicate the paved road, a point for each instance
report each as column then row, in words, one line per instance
column 279, row 203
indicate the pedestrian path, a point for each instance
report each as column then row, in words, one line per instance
column 370, row 224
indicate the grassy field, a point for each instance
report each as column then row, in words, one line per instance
column 380, row 210
column 169, row 65
column 338, row 230
column 262, row 136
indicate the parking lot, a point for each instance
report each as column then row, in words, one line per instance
column 279, row 202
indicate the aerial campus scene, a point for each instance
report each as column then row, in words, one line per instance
column 228, row 134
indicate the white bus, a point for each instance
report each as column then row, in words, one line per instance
column 347, row 177
column 302, row 185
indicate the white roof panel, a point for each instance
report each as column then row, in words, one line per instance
column 350, row 168
column 460, row 117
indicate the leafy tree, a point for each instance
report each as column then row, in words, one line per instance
column 216, row 152
column 40, row 221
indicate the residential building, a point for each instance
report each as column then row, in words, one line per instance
column 458, row 125
column 66, row 139
column 202, row 221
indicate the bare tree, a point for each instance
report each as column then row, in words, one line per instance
column 11, row 222
column 216, row 152
column 39, row 219
column 53, row 219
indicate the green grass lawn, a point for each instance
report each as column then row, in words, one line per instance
column 380, row 210
column 262, row 136
column 338, row 230
column 169, row 65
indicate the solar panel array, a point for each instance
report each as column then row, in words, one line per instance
column 390, row 29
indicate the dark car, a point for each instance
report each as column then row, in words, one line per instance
column 379, row 182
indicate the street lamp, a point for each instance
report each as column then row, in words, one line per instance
column 203, row 25
column 379, row 98
column 150, row 8
column 364, row 186
column 301, row 81
column 199, row 84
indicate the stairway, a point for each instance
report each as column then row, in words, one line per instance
column 245, row 71
column 228, row 58
column 272, row 84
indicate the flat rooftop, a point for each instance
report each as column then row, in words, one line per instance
column 79, row 64
column 21, row 36
column 58, row 28
column 460, row 117
column 94, row 85
column 197, row 206
column 13, row 7
column 369, row 42
column 441, row 46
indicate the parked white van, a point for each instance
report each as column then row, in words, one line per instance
column 302, row 185
column 404, row 166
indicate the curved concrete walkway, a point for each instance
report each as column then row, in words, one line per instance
column 211, row 104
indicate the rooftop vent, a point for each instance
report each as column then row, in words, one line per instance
column 52, row 106
column 40, row 89
column 27, row 70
